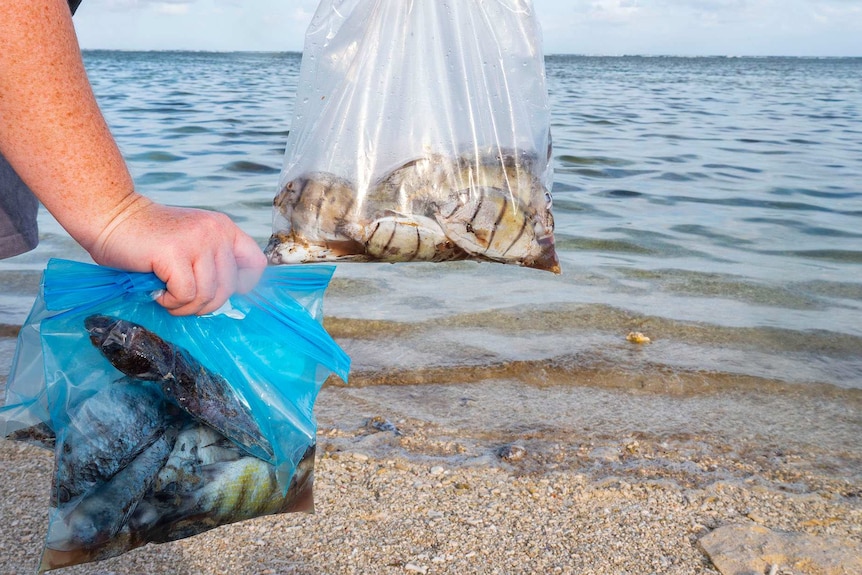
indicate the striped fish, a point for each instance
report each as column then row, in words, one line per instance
column 316, row 205
column 486, row 221
column 405, row 238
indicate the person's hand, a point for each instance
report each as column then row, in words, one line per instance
column 202, row 256
column 55, row 136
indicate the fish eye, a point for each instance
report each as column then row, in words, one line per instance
column 63, row 495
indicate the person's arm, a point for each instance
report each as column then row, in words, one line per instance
column 54, row 135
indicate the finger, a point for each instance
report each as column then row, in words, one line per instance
column 191, row 301
column 180, row 289
column 247, row 279
column 250, row 262
column 223, row 283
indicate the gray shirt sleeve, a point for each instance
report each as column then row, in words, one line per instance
column 18, row 210
column 18, row 206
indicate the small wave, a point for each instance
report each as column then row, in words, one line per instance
column 731, row 167
column 846, row 194
column 605, row 173
column 839, row 256
column 620, row 194
column 805, row 228
column 604, row 245
column 749, row 203
column 803, row 141
column 152, row 178
column 680, row 159
column 711, row 234
column 675, row 177
column 161, row 109
column 757, row 141
column 592, row 161
column 155, row 157
column 250, row 167
column 189, row 129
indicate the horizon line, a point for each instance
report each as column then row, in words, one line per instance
column 550, row 54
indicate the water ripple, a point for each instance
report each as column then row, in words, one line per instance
column 250, row 167
column 720, row 192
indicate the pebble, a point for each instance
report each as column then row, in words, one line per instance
column 736, row 549
column 511, row 453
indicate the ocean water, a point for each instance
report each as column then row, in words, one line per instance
column 714, row 204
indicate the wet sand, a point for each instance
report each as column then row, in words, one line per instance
column 613, row 473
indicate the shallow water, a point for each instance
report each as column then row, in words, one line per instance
column 713, row 204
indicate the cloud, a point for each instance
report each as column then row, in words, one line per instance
column 160, row 6
column 607, row 11
column 175, row 8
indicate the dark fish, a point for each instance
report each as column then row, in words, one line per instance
column 97, row 517
column 206, row 396
column 105, row 432
column 40, row 434
column 170, row 526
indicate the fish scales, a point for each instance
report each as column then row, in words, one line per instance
column 202, row 486
column 486, row 221
column 206, row 396
column 99, row 516
column 105, row 432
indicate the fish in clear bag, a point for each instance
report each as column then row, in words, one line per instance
column 489, row 205
column 486, row 205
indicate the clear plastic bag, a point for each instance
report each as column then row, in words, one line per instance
column 421, row 133
column 164, row 427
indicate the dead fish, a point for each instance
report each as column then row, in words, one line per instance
column 489, row 203
column 206, row 396
column 292, row 248
column 316, row 205
column 190, row 499
column 486, row 222
column 105, row 432
column 40, row 435
column 100, row 514
column 508, row 169
column 413, row 187
column 202, row 445
column 196, row 446
column 408, row 238
column 515, row 171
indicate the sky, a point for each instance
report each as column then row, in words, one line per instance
column 594, row 27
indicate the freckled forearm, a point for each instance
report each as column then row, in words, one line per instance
column 51, row 129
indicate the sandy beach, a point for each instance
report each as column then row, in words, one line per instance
column 639, row 476
column 497, row 419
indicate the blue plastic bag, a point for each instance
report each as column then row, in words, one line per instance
column 162, row 426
